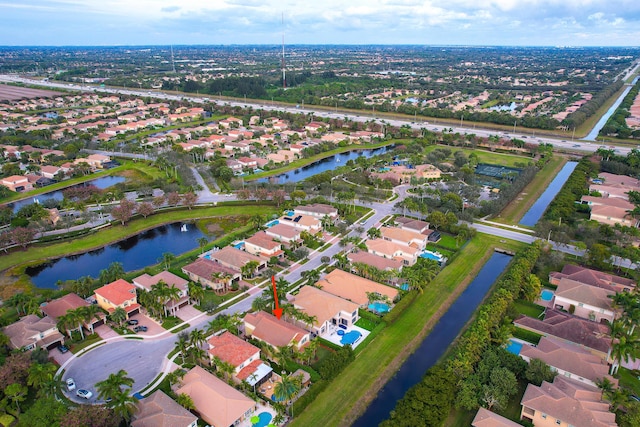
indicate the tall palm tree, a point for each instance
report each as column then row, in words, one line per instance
column 161, row 292
column 196, row 292
column 202, row 242
column 182, row 344
column 41, row 374
column 185, row 401
column 66, row 323
column 113, row 384
column 287, row 388
column 88, row 313
column 197, row 337
column 118, row 316
column 174, row 296
column 123, row 404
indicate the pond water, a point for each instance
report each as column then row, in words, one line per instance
column 435, row 344
column 535, row 212
column 102, row 183
column 134, row 253
column 329, row 163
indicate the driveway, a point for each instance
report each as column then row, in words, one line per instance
column 60, row 358
column 105, row 332
column 153, row 327
column 188, row 312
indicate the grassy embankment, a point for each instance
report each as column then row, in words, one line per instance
column 349, row 394
column 490, row 157
column 516, row 209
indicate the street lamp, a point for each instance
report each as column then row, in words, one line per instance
column 514, row 126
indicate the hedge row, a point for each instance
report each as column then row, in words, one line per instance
column 402, row 305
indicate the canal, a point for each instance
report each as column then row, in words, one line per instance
column 435, row 344
column 329, row 163
column 134, row 253
column 603, row 120
column 535, row 212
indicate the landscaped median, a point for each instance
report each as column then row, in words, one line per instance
column 348, row 395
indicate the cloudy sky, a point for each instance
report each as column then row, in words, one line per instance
column 426, row 22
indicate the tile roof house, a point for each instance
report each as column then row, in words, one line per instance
column 235, row 259
column 159, row 410
column 306, row 223
column 381, row 263
column 569, row 360
column 404, row 237
column 591, row 336
column 612, row 215
column 32, row 332
column 328, row 309
column 284, row 233
column 146, row 282
column 243, row 356
column 593, row 278
column 118, row 294
column 565, row 402
column 60, row 306
column 486, row 418
column 275, row 332
column 17, row 183
column 387, row 249
column 318, row 210
column 218, row 404
column 411, row 224
column 212, row 274
column 586, row 301
column 262, row 244
column 354, row 288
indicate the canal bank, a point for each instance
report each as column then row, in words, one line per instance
column 376, row 364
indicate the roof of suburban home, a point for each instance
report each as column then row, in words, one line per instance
column 586, row 294
column 59, row 307
column 592, row 277
column 571, row 402
column 406, row 236
column 235, row 257
column 609, row 201
column 320, row 208
column 353, row 288
column 117, row 292
column 217, row 402
column 388, row 247
column 167, row 277
column 486, row 418
column 206, row 268
column 20, row 333
column 571, row 328
column 283, row 230
column 231, row 349
column 263, row 240
column 272, row 330
column 321, row 304
column 159, row 410
column 381, row 263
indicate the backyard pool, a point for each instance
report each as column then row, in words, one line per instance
column 431, row 255
column 264, row 418
column 350, row 337
column 379, row 307
column 514, row 347
column 239, row 245
column 546, row 295
column 272, row 223
column 404, row 286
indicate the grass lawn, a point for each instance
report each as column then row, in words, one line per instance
column 170, row 321
column 210, row 297
column 515, row 210
column 484, row 156
column 528, row 308
column 366, row 324
column 361, row 380
column 118, row 232
column 629, row 380
column 526, row 335
column 446, row 241
column 90, row 339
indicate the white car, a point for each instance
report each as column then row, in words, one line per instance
column 85, row 394
column 71, row 385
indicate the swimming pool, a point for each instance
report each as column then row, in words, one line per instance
column 431, row 255
column 239, row 245
column 272, row 223
column 514, row 347
column 350, row 337
column 379, row 307
column 404, row 286
column 546, row 295
column 264, row 418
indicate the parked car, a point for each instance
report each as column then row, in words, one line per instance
column 63, row 348
column 85, row 394
column 71, row 385
column 132, row 322
column 140, row 328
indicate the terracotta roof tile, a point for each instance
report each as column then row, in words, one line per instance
column 231, row 349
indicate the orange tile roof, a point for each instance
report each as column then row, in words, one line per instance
column 231, row 349
column 117, row 292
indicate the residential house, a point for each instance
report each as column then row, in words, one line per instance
column 592, row 277
column 230, row 122
column 388, row 249
column 212, row 274
column 60, row 306
column 31, row 332
column 17, row 183
column 159, row 410
column 217, row 403
column 328, row 309
column 355, row 288
column 316, row 127
column 569, row 360
column 50, row 172
column 565, row 402
column 583, row 300
column 591, row 336
column 146, row 282
column 404, row 237
column 118, row 294
column 381, row 263
column 283, row 233
column 262, row 244
column 302, row 222
column 412, row 224
column 243, row 356
column 276, row 332
column 486, row 418
column 235, row 259
column 318, row 210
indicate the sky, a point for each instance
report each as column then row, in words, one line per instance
column 223, row 22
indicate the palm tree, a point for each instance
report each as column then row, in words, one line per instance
column 312, row 276
column 287, row 388
column 185, row 401
column 167, row 258
column 261, row 303
column 88, row 313
column 21, row 302
column 624, row 347
column 65, row 323
column 113, row 384
column 174, row 296
column 202, row 242
column 123, row 404
column 118, row 316
column 196, row 292
column 161, row 292
column 249, row 268
column 197, row 337
column 182, row 344
column 40, row 375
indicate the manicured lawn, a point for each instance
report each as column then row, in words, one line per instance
column 90, row 339
column 629, row 380
column 526, row 335
column 485, row 156
column 515, row 210
column 447, row 242
column 170, row 321
column 384, row 355
column 118, row 232
column 528, row 308
column 366, row 324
